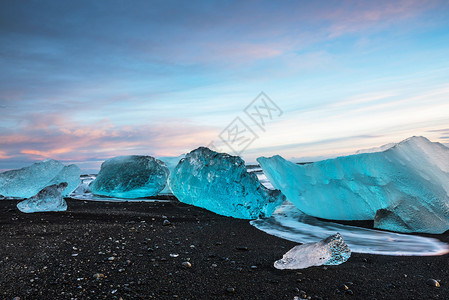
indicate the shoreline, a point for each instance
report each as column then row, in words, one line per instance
column 56, row 256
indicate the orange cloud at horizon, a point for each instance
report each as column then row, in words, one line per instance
column 46, row 154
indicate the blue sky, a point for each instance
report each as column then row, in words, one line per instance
column 82, row 81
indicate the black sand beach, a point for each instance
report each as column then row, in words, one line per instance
column 110, row 250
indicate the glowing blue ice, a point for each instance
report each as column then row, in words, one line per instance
column 48, row 199
column 28, row 181
column 410, row 178
column 220, row 183
column 131, row 177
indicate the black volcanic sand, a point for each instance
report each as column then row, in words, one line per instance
column 56, row 256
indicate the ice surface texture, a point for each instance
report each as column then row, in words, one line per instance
column 28, row 181
column 70, row 174
column 82, row 189
column 48, row 199
column 131, row 176
column 410, row 179
column 220, row 183
column 330, row 251
column 171, row 162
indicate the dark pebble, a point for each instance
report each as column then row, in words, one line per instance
column 390, row 286
column 242, row 248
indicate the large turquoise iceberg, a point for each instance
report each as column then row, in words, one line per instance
column 133, row 176
column 28, row 181
column 220, row 183
column 406, row 185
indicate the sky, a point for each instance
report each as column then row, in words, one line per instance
column 83, row 81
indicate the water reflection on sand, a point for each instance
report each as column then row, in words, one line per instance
column 291, row 224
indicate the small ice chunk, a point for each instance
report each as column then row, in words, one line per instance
column 330, row 251
column 220, row 183
column 82, row 189
column 48, row 199
column 130, row 177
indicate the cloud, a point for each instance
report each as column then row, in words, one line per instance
column 3, row 155
column 70, row 141
column 443, row 133
column 356, row 16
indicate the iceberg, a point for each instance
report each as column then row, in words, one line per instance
column 130, row 177
column 171, row 162
column 48, row 199
column 70, row 174
column 82, row 189
column 413, row 173
column 330, row 251
column 220, row 183
column 28, row 181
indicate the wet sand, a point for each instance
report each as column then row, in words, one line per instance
column 113, row 250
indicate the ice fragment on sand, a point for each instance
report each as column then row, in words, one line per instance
column 330, row 251
column 48, row 199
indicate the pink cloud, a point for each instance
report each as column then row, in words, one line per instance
column 3, row 155
column 46, row 154
column 103, row 139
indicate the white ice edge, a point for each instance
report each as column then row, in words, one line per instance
column 291, row 224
